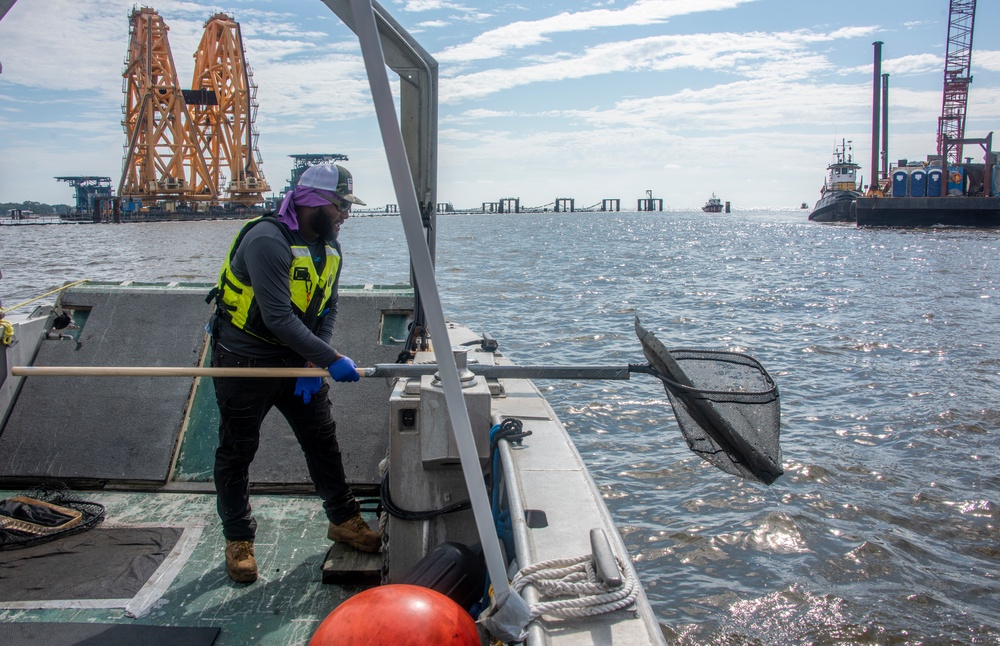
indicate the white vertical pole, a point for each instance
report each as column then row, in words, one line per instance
column 423, row 270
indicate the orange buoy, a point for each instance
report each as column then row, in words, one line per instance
column 398, row 614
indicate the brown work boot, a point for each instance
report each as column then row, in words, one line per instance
column 355, row 532
column 240, row 563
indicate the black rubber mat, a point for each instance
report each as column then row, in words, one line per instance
column 103, row 563
column 126, row 428
column 108, row 428
column 80, row 634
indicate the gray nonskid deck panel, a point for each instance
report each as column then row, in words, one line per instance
column 108, row 428
column 360, row 409
column 126, row 428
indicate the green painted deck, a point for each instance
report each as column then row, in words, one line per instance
column 284, row 606
column 108, row 417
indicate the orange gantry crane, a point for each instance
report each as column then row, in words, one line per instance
column 225, row 122
column 179, row 143
column 162, row 159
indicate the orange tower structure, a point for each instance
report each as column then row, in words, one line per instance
column 162, row 158
column 225, row 118
column 180, row 143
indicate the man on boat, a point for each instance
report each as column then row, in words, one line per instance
column 276, row 305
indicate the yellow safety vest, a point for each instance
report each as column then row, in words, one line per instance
column 310, row 289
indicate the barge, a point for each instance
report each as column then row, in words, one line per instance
column 981, row 212
column 927, row 195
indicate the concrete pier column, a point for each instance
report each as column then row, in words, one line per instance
column 565, row 204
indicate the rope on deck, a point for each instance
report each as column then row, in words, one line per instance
column 575, row 580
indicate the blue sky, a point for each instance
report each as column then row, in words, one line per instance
column 539, row 100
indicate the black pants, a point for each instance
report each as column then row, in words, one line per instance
column 243, row 404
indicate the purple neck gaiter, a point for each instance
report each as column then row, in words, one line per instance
column 301, row 196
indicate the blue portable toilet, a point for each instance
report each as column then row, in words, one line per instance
column 956, row 180
column 934, row 176
column 996, row 181
column 900, row 178
column 918, row 183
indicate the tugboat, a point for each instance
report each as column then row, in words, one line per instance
column 713, row 205
column 840, row 188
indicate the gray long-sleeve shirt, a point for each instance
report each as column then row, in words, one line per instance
column 262, row 261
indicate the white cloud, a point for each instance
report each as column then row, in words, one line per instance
column 517, row 35
column 910, row 65
column 431, row 5
column 38, row 39
column 988, row 60
column 915, row 64
column 460, row 12
column 761, row 56
column 983, row 112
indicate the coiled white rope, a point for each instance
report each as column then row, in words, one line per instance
column 576, row 580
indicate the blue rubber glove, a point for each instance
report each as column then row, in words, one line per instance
column 307, row 387
column 343, row 369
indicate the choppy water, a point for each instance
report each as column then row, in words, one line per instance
column 883, row 529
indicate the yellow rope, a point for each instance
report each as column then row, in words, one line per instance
column 6, row 332
column 32, row 300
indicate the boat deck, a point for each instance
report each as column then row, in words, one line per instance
column 143, row 448
column 190, row 587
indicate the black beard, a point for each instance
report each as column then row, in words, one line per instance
column 323, row 226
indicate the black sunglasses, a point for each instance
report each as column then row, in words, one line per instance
column 341, row 205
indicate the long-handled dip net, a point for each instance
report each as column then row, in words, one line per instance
column 725, row 403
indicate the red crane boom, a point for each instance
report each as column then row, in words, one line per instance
column 957, row 77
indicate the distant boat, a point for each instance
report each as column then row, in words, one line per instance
column 713, row 205
column 804, row 206
column 839, row 190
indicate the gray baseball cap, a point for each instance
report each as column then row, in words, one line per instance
column 331, row 177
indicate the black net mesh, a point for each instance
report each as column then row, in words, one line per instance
column 44, row 516
column 725, row 404
column 730, row 413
